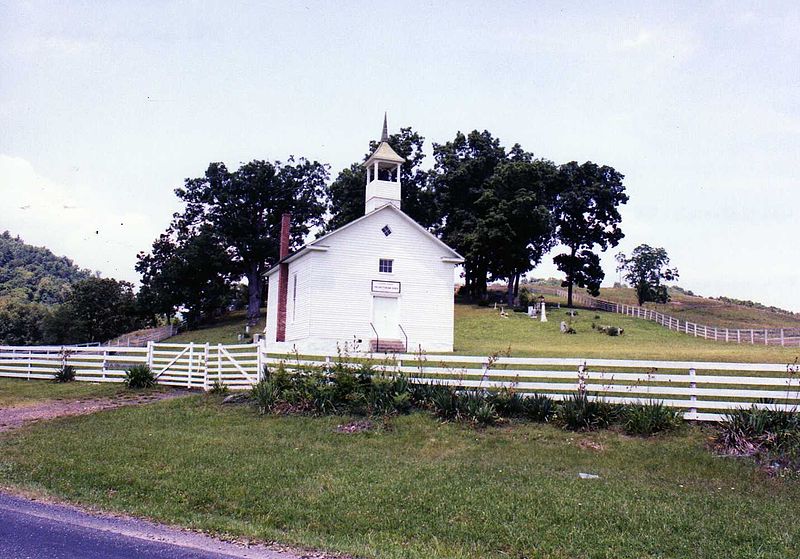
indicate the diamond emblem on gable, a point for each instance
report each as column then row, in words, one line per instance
column 386, row 230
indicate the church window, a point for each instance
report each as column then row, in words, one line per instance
column 386, row 230
column 385, row 266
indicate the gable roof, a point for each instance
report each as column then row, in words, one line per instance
column 319, row 246
column 384, row 153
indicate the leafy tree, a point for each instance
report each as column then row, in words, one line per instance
column 587, row 216
column 645, row 270
column 463, row 169
column 96, row 310
column 21, row 322
column 515, row 225
column 190, row 272
column 34, row 274
column 347, row 193
column 243, row 209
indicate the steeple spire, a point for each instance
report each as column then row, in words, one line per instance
column 385, row 134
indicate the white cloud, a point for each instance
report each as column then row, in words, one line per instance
column 70, row 222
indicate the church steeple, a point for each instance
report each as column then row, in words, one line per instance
column 383, row 174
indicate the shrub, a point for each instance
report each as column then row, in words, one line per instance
column 64, row 374
column 139, row 376
column 444, row 401
column 218, row 387
column 579, row 412
column 755, row 430
column 265, row 395
column 507, row 402
column 650, row 418
column 474, row 406
column 539, row 408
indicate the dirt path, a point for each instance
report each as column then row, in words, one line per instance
column 15, row 417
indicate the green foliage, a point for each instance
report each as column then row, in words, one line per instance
column 188, row 270
column 65, row 373
column 218, row 388
column 650, row 418
column 757, row 431
column 645, row 270
column 21, row 322
column 539, row 408
column 587, row 216
column 508, row 402
column 139, row 377
column 579, row 412
column 265, row 395
column 30, row 274
column 242, row 209
column 96, row 310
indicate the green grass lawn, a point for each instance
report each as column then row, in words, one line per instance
column 223, row 331
column 480, row 331
column 19, row 392
column 414, row 489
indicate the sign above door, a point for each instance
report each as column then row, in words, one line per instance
column 389, row 287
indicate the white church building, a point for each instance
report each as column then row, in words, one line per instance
column 381, row 283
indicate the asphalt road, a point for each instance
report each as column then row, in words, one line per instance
column 37, row 530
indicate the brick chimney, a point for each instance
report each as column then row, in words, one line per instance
column 283, row 278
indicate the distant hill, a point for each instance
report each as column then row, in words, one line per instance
column 35, row 274
column 721, row 311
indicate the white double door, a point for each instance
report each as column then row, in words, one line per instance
column 386, row 317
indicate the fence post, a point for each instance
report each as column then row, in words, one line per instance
column 29, row 364
column 150, row 354
column 205, row 367
column 259, row 361
column 191, row 363
column 752, row 337
column 692, row 387
column 765, row 336
column 782, row 340
column 105, row 356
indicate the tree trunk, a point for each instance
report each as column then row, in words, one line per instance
column 510, row 291
column 570, row 278
column 516, row 284
column 254, row 289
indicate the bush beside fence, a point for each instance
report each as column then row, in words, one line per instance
column 702, row 391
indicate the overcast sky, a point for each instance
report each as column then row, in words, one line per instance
column 106, row 107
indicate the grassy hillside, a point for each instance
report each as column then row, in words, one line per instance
column 708, row 311
column 222, row 331
column 481, row 331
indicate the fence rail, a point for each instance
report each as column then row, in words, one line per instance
column 704, row 391
column 786, row 337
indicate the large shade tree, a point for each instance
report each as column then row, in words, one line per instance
column 243, row 209
column 462, row 171
column 515, row 227
column 187, row 272
column 347, row 192
column 587, row 217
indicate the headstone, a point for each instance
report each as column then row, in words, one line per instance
column 531, row 311
column 563, row 326
column 544, row 313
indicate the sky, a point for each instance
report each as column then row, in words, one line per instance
column 106, row 107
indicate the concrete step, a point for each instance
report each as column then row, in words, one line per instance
column 387, row 346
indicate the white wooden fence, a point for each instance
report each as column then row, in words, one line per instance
column 703, row 391
column 787, row 337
